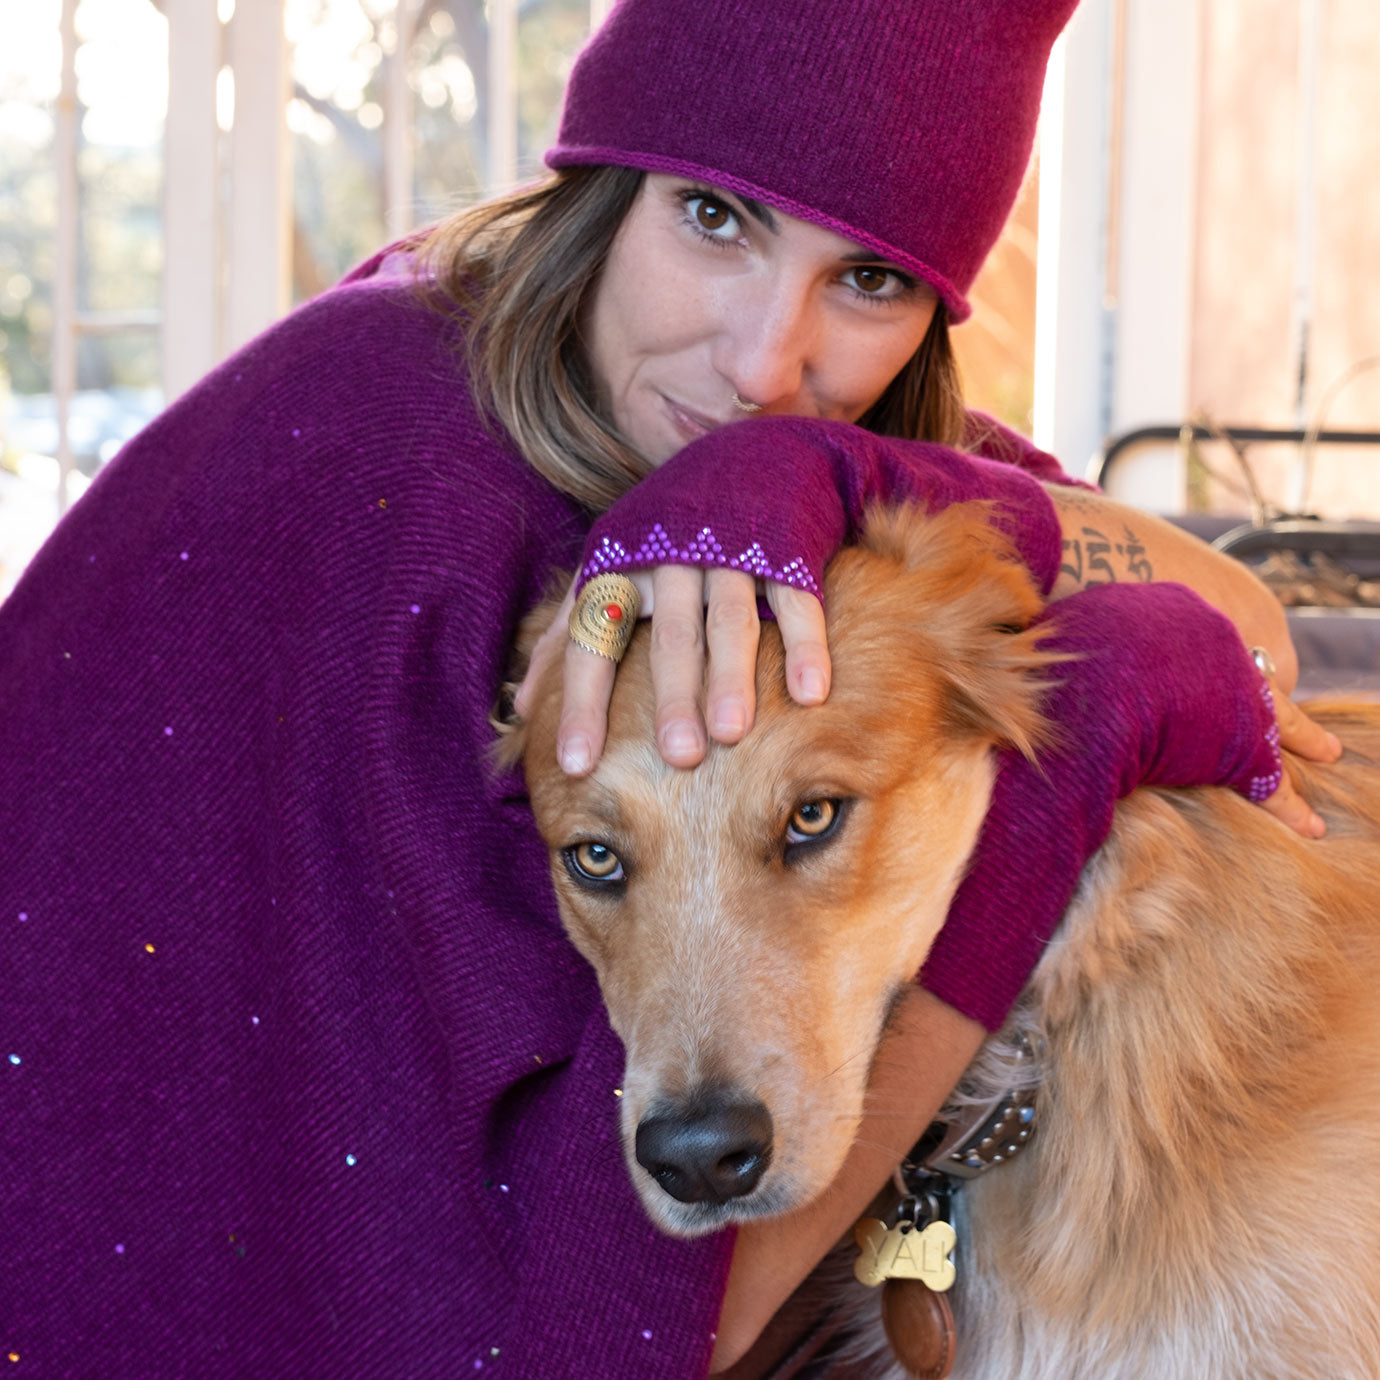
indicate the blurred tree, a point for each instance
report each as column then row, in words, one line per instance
column 339, row 100
column 27, row 212
column 119, row 251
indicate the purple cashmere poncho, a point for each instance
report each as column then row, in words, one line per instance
column 299, row 1075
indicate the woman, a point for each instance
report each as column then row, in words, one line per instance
column 303, row 1078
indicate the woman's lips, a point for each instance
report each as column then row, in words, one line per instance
column 690, row 424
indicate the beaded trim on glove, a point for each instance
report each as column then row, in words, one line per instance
column 703, row 549
column 1263, row 787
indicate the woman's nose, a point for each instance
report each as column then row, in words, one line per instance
column 765, row 348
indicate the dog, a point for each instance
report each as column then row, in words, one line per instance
column 1203, row 1196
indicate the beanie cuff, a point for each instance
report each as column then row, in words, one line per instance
column 573, row 155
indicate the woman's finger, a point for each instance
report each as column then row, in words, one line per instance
column 800, row 617
column 586, row 688
column 585, row 695
column 678, row 663
column 732, row 629
column 1301, row 735
column 1290, row 808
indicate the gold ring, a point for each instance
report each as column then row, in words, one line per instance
column 605, row 615
column 743, row 405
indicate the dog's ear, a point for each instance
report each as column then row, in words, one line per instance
column 510, row 744
column 953, row 601
column 997, row 687
column 536, row 622
column 503, row 718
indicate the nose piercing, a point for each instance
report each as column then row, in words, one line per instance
column 748, row 407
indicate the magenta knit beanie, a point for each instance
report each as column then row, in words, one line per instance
column 903, row 124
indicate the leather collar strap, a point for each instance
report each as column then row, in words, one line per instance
column 977, row 1135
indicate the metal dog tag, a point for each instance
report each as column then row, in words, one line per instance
column 905, row 1252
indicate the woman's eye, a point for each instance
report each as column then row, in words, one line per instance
column 813, row 820
column 713, row 217
column 875, row 282
column 594, row 862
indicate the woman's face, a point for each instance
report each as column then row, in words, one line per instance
column 706, row 294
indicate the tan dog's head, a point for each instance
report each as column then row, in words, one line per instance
column 753, row 921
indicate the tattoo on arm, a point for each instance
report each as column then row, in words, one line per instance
column 1093, row 558
column 1138, row 565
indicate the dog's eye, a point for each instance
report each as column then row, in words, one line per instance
column 594, row 862
column 815, row 819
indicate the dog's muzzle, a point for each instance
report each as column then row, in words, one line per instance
column 714, row 1146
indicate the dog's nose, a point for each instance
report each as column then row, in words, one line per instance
column 709, row 1151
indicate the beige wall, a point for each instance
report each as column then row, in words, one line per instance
column 1241, row 362
column 996, row 345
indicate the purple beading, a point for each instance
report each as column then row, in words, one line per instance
column 1263, row 787
column 658, row 548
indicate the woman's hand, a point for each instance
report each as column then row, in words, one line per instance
column 767, row 500
column 700, row 616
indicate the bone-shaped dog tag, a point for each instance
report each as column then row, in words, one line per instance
column 902, row 1252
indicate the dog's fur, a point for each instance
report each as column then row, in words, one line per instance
column 1203, row 1196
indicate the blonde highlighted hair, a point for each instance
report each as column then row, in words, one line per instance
column 520, row 272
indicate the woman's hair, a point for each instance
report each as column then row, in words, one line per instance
column 520, row 271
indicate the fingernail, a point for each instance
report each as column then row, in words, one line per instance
column 730, row 717
column 812, row 684
column 1335, row 743
column 1316, row 826
column 575, row 756
column 680, row 739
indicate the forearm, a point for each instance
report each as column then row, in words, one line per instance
column 1106, row 542
column 924, row 1051
column 777, row 496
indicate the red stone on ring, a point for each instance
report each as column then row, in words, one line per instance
column 613, row 613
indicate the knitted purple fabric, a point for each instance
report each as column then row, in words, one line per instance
column 906, row 127
column 299, row 1075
